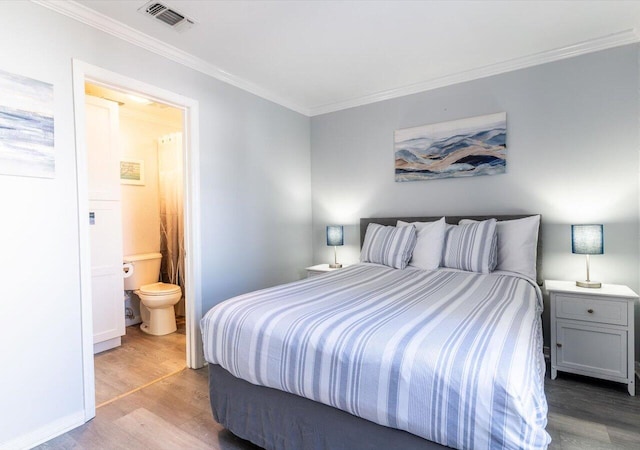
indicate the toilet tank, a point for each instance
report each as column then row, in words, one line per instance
column 146, row 270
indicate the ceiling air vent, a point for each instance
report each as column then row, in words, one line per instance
column 167, row 16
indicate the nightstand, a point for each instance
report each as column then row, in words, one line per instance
column 592, row 331
column 320, row 269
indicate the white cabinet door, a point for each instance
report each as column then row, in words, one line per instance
column 105, row 219
column 590, row 349
column 103, row 149
column 107, row 284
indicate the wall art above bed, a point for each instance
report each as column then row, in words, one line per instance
column 460, row 148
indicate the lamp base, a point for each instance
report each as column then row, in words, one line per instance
column 335, row 266
column 589, row 284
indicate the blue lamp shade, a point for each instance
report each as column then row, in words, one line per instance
column 335, row 235
column 587, row 239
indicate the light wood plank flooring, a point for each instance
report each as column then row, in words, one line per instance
column 140, row 359
column 174, row 414
column 585, row 413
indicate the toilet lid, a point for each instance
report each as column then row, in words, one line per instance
column 160, row 289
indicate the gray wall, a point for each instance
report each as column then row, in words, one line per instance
column 255, row 208
column 572, row 138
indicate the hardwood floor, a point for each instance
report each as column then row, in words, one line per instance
column 585, row 413
column 140, row 359
column 174, row 414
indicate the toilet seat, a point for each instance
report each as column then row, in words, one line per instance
column 160, row 289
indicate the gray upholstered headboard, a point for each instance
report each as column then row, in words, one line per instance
column 454, row 220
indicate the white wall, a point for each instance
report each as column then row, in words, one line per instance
column 255, row 201
column 572, row 138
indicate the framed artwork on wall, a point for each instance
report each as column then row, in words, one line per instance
column 26, row 127
column 132, row 172
column 460, row 148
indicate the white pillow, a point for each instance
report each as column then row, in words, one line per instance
column 517, row 245
column 428, row 250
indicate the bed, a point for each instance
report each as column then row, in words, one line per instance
column 376, row 357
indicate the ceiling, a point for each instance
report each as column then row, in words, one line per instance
column 322, row 56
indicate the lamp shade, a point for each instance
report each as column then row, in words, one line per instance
column 335, row 235
column 587, row 239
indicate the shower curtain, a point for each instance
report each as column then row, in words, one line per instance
column 171, row 212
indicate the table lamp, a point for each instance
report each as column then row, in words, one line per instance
column 335, row 237
column 587, row 240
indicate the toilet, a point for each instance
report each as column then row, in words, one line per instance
column 156, row 298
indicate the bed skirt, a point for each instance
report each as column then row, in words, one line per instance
column 277, row 420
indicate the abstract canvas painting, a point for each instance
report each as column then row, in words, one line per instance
column 26, row 127
column 460, row 148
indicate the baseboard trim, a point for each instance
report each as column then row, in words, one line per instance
column 107, row 345
column 45, row 433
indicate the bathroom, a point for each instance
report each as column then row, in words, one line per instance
column 150, row 184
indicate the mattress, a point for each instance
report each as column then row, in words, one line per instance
column 452, row 357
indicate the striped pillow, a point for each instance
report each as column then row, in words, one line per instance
column 390, row 246
column 517, row 245
column 472, row 247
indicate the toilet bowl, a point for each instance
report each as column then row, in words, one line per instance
column 156, row 299
column 158, row 314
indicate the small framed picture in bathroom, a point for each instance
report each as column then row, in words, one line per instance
column 132, row 172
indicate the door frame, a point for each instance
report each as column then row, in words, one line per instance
column 191, row 157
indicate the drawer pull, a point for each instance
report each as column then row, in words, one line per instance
column 559, row 345
column 590, row 311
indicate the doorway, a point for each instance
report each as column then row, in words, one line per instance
column 134, row 148
column 83, row 73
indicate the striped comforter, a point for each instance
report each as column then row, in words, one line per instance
column 453, row 357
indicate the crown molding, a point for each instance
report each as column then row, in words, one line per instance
column 104, row 23
column 593, row 45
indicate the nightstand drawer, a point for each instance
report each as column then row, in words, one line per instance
column 592, row 350
column 591, row 309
